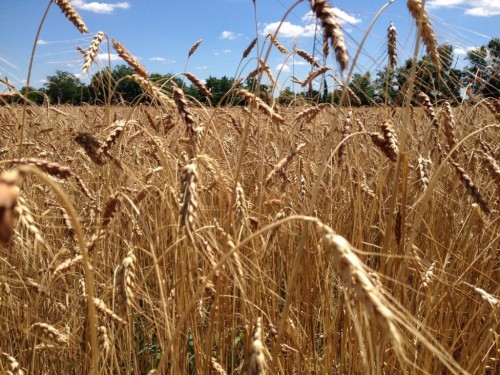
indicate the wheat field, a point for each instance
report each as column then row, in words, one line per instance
column 178, row 238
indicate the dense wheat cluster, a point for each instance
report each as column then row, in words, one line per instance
column 252, row 239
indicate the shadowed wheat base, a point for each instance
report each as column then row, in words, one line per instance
column 191, row 233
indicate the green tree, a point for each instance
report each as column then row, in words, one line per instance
column 363, row 87
column 263, row 90
column 219, row 87
column 386, row 86
column 34, row 96
column 65, row 88
column 483, row 73
column 445, row 84
column 123, row 89
column 286, row 96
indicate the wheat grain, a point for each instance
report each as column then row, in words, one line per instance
column 91, row 53
column 392, row 45
column 194, row 47
column 70, row 12
column 130, row 60
column 417, row 10
column 332, row 32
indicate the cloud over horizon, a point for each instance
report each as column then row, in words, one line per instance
column 479, row 8
column 96, row 7
column 290, row 30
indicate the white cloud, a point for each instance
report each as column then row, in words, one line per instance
column 289, row 30
column 41, row 42
column 103, row 57
column 481, row 8
column 460, row 51
column 203, row 67
column 218, row 52
column 283, row 68
column 343, row 17
column 228, row 35
column 161, row 59
column 97, row 7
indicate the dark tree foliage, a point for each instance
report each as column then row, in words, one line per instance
column 120, row 90
column 65, row 88
column 286, row 96
column 440, row 86
column 483, row 74
column 219, row 87
column 362, row 86
column 481, row 78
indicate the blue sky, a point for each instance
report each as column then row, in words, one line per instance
column 160, row 33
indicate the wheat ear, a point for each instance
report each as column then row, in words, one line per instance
column 70, row 13
column 417, row 10
column 91, row 52
column 130, row 60
column 331, row 27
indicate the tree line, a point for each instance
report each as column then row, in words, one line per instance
column 479, row 79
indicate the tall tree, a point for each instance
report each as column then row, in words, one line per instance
column 483, row 75
column 363, row 87
column 121, row 89
column 65, row 88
